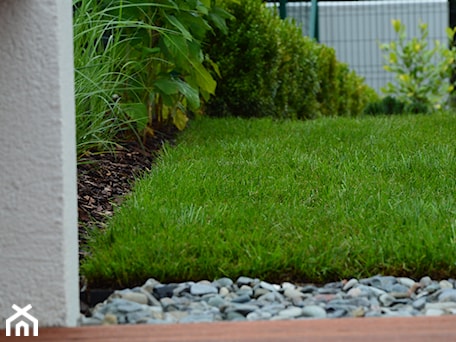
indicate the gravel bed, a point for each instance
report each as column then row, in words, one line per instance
column 249, row 299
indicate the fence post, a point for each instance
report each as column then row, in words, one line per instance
column 314, row 32
column 283, row 9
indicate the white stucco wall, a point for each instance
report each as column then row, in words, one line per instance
column 38, row 211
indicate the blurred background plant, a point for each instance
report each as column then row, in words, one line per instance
column 422, row 75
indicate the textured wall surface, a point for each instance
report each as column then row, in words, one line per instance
column 38, row 211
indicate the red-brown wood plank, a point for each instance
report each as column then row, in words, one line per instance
column 327, row 330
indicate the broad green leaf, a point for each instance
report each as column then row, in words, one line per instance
column 176, row 46
column 151, row 51
column 180, row 119
column 177, row 24
column 167, row 86
column 204, row 79
column 218, row 16
column 190, row 93
column 137, row 112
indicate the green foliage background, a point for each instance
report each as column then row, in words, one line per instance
column 268, row 68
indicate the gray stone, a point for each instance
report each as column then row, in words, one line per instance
column 90, row 321
column 399, row 288
column 372, row 290
column 314, row 311
column 434, row 312
column 151, row 299
column 223, row 282
column 328, row 290
column 358, row 312
column 290, row 312
column 434, row 287
column 386, row 299
column 134, row 317
column 246, row 281
column 352, row 282
column 199, row 289
column 293, row 293
column 139, row 298
column 419, row 303
column 271, row 297
column 168, row 304
column 150, row 284
column 197, row 318
column 241, row 299
column 273, row 308
column 366, row 291
column 297, row 301
column 373, row 313
column 216, row 301
column 243, row 309
column 245, row 290
column 445, row 284
column 392, row 313
column 258, row 292
column 447, row 295
column 286, row 285
column 440, row 306
column 338, row 313
column 235, row 316
column 355, row 292
column 199, row 306
column 161, row 291
column 408, row 282
column 176, row 316
column 258, row 316
column 224, row 291
column 267, row 286
column 380, row 282
column 159, row 321
column 425, row 281
column 309, row 289
column 123, row 305
column 184, row 287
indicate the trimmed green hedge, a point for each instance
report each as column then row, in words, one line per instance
column 267, row 68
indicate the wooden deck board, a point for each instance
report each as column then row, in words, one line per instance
column 327, row 330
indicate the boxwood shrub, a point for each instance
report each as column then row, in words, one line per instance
column 268, row 68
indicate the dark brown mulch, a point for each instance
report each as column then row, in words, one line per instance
column 105, row 178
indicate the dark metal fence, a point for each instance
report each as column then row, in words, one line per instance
column 356, row 28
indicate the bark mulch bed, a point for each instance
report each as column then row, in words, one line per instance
column 105, row 178
column 103, row 181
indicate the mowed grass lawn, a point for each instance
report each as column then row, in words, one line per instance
column 310, row 201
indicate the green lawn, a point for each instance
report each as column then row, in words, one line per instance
column 306, row 201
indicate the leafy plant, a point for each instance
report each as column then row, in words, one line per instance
column 139, row 66
column 164, row 58
column 268, row 68
column 97, row 60
column 421, row 74
column 248, row 58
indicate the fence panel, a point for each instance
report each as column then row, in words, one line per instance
column 356, row 28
